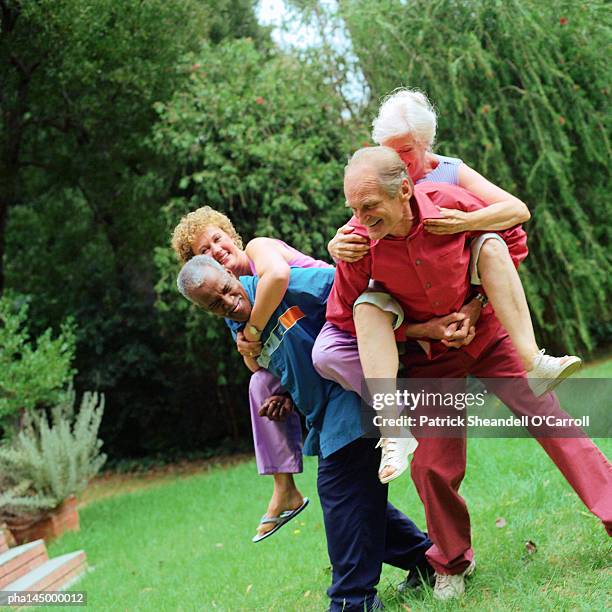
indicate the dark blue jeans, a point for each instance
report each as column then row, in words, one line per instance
column 363, row 529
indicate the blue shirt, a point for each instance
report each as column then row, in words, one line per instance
column 333, row 415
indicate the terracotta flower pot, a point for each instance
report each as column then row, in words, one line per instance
column 63, row 518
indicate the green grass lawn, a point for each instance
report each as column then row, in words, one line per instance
column 185, row 545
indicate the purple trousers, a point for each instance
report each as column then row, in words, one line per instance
column 278, row 445
column 335, row 356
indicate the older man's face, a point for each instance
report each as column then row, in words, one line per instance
column 222, row 295
column 373, row 207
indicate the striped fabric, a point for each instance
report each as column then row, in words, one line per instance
column 285, row 322
column 446, row 172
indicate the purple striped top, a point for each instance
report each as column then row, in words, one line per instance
column 299, row 260
column 447, row 171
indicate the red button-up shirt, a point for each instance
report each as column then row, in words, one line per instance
column 427, row 274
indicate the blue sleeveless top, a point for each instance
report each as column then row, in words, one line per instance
column 446, row 172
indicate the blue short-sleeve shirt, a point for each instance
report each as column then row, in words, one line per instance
column 332, row 413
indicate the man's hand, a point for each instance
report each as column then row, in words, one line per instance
column 439, row 328
column 247, row 348
column 346, row 246
column 452, row 222
column 472, row 310
column 459, row 335
column 276, row 407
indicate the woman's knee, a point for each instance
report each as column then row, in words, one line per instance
column 493, row 249
column 366, row 314
column 324, row 360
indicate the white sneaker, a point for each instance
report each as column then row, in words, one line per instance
column 449, row 586
column 548, row 371
column 395, row 452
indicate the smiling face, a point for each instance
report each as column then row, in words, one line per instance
column 380, row 213
column 215, row 243
column 413, row 154
column 222, row 295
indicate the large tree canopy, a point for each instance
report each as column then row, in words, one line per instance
column 81, row 185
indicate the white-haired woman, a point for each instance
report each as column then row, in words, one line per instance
column 407, row 122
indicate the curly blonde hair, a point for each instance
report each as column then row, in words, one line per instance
column 195, row 222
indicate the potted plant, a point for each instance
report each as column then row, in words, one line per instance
column 46, row 465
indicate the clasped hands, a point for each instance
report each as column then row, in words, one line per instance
column 456, row 329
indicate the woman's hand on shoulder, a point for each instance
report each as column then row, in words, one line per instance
column 348, row 246
column 452, row 221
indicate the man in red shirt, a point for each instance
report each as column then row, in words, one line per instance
column 428, row 276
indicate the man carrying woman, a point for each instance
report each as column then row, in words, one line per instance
column 428, row 277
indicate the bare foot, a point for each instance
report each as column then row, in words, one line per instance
column 281, row 500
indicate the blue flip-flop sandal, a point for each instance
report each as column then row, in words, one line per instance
column 279, row 521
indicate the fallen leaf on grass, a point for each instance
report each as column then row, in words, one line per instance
column 296, row 532
column 249, row 589
column 500, row 522
column 407, row 608
column 307, row 594
column 531, row 547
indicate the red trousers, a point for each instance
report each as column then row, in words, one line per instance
column 438, row 465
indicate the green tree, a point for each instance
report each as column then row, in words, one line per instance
column 267, row 153
column 522, row 88
column 82, row 188
column 78, row 83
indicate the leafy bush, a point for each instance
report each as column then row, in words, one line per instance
column 31, row 373
column 51, row 459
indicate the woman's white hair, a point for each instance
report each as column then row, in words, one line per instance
column 405, row 111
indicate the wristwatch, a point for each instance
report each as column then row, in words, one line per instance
column 253, row 330
column 482, row 298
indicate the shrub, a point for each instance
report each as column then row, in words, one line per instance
column 51, row 459
column 31, row 373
